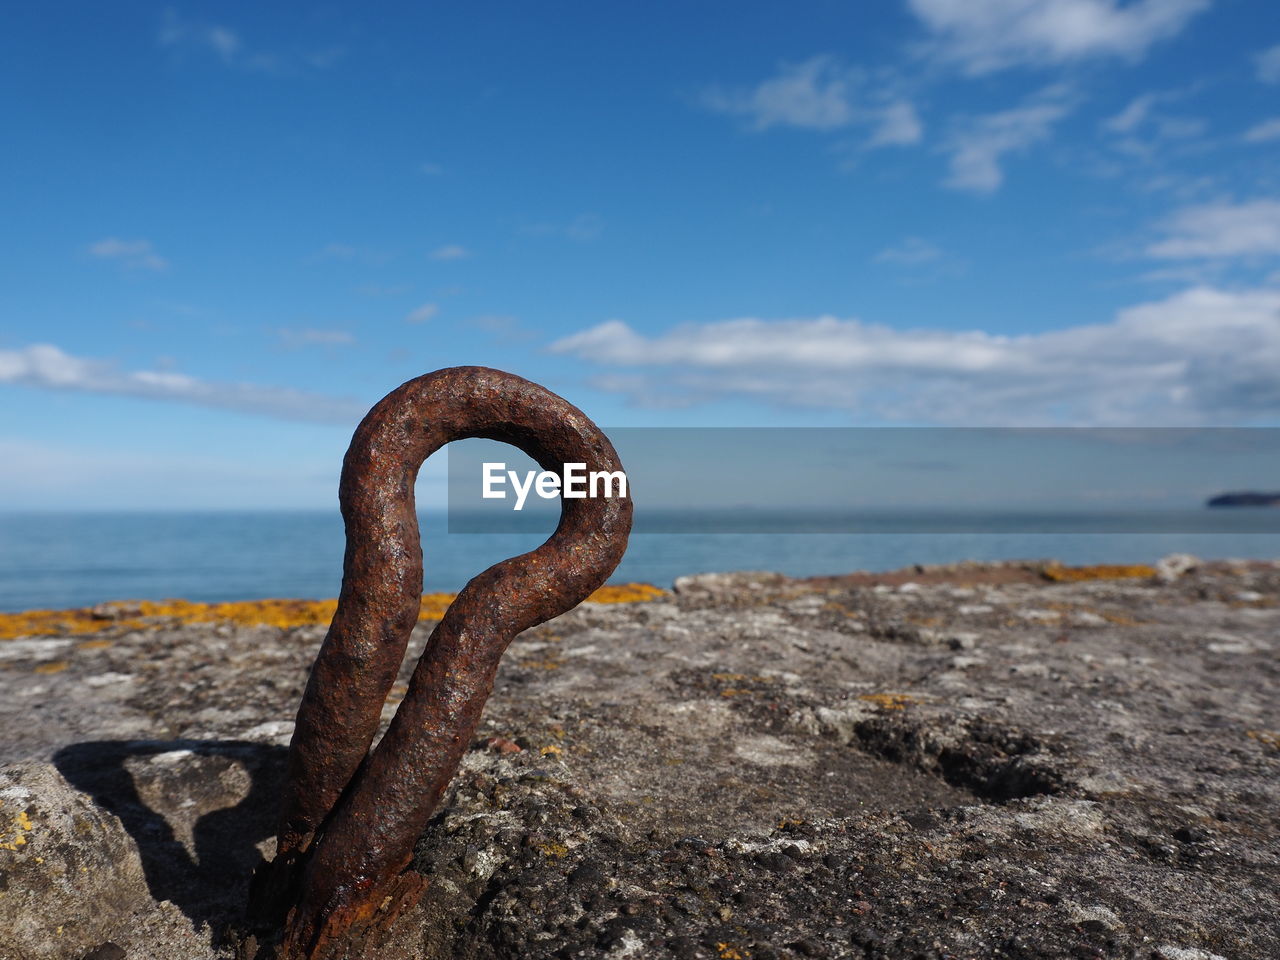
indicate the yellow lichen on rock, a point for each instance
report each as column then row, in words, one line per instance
column 16, row 835
column 888, row 701
column 434, row 605
column 739, row 684
column 280, row 613
column 627, row 593
column 1265, row 737
column 1101, row 571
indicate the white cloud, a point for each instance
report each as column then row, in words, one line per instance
column 1199, row 357
column 1263, row 132
column 423, row 313
column 195, row 37
column 977, row 147
column 1132, row 116
column 222, row 41
column 295, row 338
column 45, row 365
column 137, row 254
column 898, row 126
column 816, row 94
column 1139, row 113
column 450, row 251
column 1268, row 64
column 1180, row 128
column 1144, row 132
column 821, row 94
column 911, row 251
column 1220, row 230
column 986, row 35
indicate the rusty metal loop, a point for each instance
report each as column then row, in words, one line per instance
column 349, row 817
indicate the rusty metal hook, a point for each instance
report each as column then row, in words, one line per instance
column 349, row 817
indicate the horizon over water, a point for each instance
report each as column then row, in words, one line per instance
column 76, row 559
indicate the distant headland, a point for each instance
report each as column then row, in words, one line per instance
column 1248, row 498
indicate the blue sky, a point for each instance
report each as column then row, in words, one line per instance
column 232, row 227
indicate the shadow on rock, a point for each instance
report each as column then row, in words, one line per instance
column 216, row 798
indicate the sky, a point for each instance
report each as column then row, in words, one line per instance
column 232, row 227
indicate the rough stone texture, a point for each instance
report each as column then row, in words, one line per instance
column 68, row 868
column 967, row 763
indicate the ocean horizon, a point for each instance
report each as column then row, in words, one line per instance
column 76, row 559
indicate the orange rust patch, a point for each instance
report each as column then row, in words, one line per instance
column 55, row 666
column 283, row 614
column 1102, row 571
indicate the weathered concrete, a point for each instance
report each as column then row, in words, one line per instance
column 973, row 765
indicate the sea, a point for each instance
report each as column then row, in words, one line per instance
column 64, row 560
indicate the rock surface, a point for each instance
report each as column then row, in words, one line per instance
column 971, row 762
column 70, row 867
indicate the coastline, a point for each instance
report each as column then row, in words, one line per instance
column 286, row 613
column 1021, row 758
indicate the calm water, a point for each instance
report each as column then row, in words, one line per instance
column 69, row 560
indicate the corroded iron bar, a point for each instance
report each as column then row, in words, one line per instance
column 349, row 818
